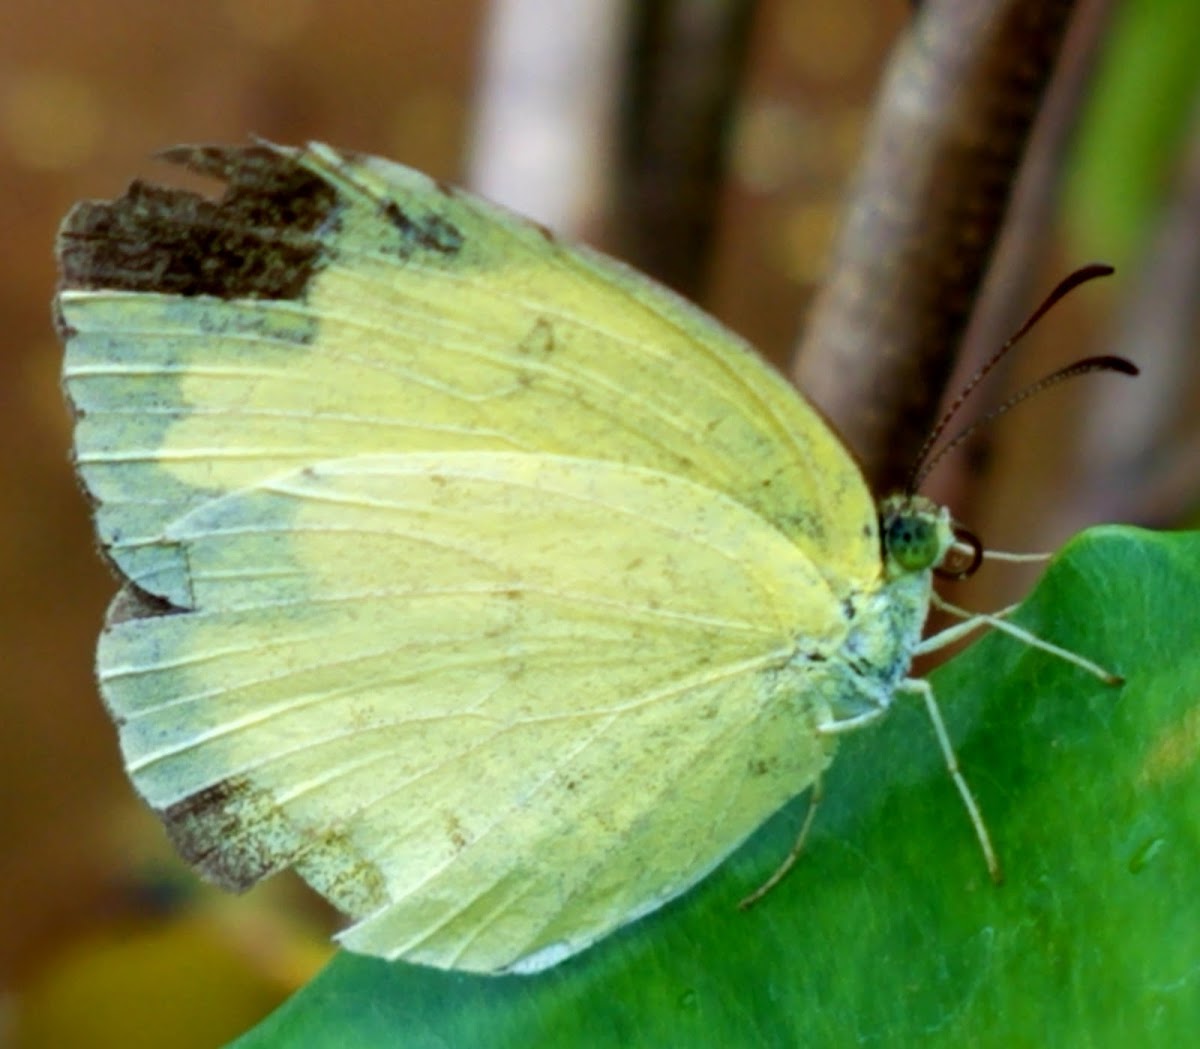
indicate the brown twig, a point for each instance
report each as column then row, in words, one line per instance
column 950, row 131
column 686, row 64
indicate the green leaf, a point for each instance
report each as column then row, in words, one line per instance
column 888, row 931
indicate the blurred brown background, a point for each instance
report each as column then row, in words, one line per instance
column 104, row 938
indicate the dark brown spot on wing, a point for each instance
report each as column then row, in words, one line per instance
column 262, row 239
column 236, row 834
column 224, row 832
column 540, row 341
column 430, row 232
column 132, row 602
column 455, row 831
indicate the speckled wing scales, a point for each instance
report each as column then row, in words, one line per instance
column 468, row 572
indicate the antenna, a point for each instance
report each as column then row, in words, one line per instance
column 925, row 463
column 1119, row 365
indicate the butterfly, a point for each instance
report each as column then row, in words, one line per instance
column 492, row 587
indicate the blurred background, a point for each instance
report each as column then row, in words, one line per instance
column 105, row 939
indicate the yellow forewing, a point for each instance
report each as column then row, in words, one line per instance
column 420, row 319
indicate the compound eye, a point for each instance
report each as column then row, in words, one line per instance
column 911, row 540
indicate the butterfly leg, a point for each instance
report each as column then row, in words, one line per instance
column 1015, row 558
column 814, row 803
column 847, row 724
column 972, row 621
column 852, row 723
column 925, row 690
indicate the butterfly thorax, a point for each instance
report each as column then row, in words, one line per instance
column 884, row 623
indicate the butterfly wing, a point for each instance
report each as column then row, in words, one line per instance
column 493, row 705
column 470, row 573
column 330, row 306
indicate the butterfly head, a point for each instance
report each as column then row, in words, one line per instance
column 916, row 533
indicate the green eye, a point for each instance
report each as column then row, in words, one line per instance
column 911, row 539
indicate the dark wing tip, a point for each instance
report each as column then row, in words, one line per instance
column 220, row 831
column 258, row 240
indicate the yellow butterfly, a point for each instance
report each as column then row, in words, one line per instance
column 491, row 586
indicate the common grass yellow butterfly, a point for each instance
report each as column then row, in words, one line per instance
column 486, row 583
